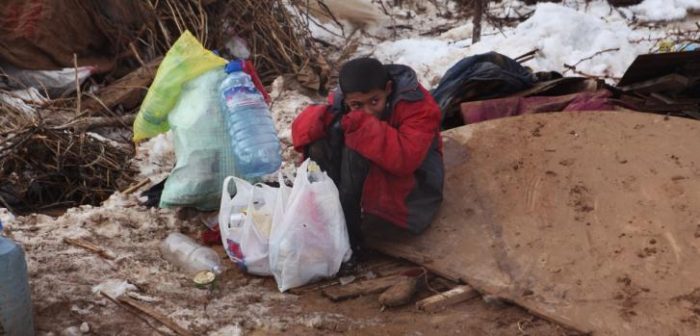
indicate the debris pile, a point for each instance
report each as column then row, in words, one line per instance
column 666, row 83
column 73, row 148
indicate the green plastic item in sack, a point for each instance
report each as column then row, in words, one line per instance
column 202, row 148
column 185, row 60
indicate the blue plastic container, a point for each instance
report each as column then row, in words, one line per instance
column 256, row 148
column 16, row 316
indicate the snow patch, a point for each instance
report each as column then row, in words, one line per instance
column 664, row 10
column 113, row 287
column 595, row 45
column 155, row 157
column 231, row 330
column 425, row 56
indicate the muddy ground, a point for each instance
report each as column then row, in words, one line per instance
column 63, row 280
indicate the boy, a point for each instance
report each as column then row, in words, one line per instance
column 378, row 138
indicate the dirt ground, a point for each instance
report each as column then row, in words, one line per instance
column 65, row 280
column 62, row 287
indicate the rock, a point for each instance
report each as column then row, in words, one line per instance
column 400, row 293
column 84, row 328
column 71, row 331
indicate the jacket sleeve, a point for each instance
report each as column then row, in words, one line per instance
column 310, row 126
column 399, row 151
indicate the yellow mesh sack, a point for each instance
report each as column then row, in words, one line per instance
column 185, row 60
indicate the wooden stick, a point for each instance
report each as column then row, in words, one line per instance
column 77, row 84
column 594, row 55
column 97, row 122
column 90, row 247
column 361, row 288
column 136, row 54
column 133, row 311
column 166, row 321
column 136, row 186
column 127, row 91
column 442, row 300
column 314, row 286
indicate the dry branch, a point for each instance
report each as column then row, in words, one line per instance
column 90, row 247
column 133, row 311
column 47, row 158
column 43, row 165
column 279, row 41
column 166, row 321
column 442, row 300
column 136, row 186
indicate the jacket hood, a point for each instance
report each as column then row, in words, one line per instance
column 405, row 83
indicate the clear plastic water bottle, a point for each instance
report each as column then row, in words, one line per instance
column 16, row 316
column 189, row 255
column 256, row 148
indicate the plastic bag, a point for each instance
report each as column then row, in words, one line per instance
column 185, row 60
column 56, row 83
column 246, row 221
column 203, row 158
column 311, row 240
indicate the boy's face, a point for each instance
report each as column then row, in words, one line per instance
column 371, row 102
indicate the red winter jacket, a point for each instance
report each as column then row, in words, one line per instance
column 405, row 180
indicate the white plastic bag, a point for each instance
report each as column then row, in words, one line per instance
column 245, row 222
column 310, row 241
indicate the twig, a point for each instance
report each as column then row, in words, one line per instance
column 136, row 54
column 135, row 187
column 594, row 55
column 133, row 311
column 330, row 13
column 77, row 83
column 318, row 24
column 156, row 315
column 97, row 122
column 6, row 205
column 444, row 299
column 437, row 30
column 166, row 35
column 400, row 26
column 526, row 56
column 573, row 68
column 90, row 247
column 381, row 3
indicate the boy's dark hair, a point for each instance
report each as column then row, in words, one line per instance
column 362, row 75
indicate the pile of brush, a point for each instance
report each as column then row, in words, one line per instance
column 52, row 154
column 58, row 162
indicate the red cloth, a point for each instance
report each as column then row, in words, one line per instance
column 249, row 68
column 396, row 148
column 476, row 111
column 211, row 237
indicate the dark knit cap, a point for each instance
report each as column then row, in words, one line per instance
column 362, row 75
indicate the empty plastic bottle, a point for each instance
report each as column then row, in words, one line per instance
column 16, row 316
column 189, row 255
column 256, row 148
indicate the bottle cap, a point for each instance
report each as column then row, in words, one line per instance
column 233, row 66
column 204, row 278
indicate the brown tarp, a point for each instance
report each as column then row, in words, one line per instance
column 44, row 34
column 590, row 219
column 650, row 66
